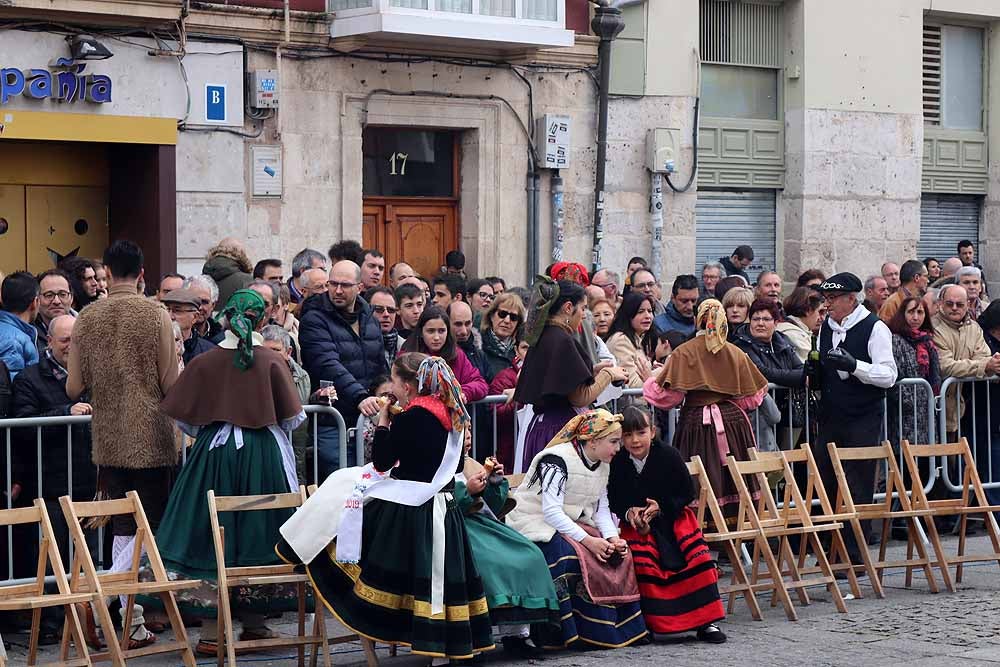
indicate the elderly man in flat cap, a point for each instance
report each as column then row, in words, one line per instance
column 183, row 306
column 856, row 367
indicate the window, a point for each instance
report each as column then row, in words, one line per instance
column 408, row 163
column 953, row 76
column 739, row 92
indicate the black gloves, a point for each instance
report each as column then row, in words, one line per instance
column 841, row 360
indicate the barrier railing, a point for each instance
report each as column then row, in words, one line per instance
column 953, row 400
column 43, row 438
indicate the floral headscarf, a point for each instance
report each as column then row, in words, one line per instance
column 434, row 378
column 244, row 311
column 588, row 426
column 712, row 325
column 570, row 271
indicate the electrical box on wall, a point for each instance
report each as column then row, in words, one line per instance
column 264, row 89
column 661, row 150
column 552, row 141
column 265, row 163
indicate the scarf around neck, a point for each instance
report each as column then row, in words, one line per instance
column 926, row 351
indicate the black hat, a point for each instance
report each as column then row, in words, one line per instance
column 842, row 282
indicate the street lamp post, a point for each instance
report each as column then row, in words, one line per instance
column 607, row 24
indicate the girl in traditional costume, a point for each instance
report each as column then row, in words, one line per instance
column 563, row 507
column 239, row 402
column 717, row 383
column 650, row 490
column 400, row 570
column 557, row 379
column 519, row 590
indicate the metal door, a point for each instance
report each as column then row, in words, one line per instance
column 727, row 219
column 12, row 228
column 944, row 221
column 65, row 221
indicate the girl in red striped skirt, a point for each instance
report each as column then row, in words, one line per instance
column 650, row 489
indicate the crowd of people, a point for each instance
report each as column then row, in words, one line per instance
column 597, row 545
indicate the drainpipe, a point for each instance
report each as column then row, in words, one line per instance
column 607, row 24
column 532, row 191
column 277, row 55
column 558, row 217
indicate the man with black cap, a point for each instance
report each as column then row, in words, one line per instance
column 856, row 367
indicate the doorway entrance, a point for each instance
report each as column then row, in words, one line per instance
column 410, row 187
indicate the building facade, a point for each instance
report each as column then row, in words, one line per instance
column 418, row 126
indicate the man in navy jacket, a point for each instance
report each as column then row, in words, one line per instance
column 341, row 343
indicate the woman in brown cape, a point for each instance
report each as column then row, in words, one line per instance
column 717, row 383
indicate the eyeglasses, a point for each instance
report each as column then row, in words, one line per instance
column 385, row 309
column 761, row 320
column 642, row 286
column 181, row 310
column 343, row 286
column 507, row 315
column 955, row 304
column 608, row 286
column 486, row 296
column 51, row 296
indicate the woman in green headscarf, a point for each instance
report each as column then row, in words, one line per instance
column 238, row 402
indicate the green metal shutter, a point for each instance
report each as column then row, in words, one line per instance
column 729, row 219
column 944, row 221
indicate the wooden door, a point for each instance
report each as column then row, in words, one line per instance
column 12, row 228
column 65, row 221
column 419, row 233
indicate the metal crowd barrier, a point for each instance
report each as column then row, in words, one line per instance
column 9, row 428
column 955, row 386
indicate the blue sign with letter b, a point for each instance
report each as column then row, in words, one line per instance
column 215, row 103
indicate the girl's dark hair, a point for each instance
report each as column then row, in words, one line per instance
column 898, row 325
column 415, row 341
column 726, row 284
column 810, row 274
column 379, row 380
column 802, row 301
column 635, row 419
column 674, row 337
column 569, row 292
column 407, row 364
column 623, row 323
column 760, row 305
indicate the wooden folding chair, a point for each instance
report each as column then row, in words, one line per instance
column 33, row 596
column 84, row 577
column 885, row 512
column 815, row 493
column 780, row 523
column 972, row 501
column 371, row 657
column 715, row 531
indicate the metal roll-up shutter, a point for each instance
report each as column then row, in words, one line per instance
column 944, row 221
column 729, row 219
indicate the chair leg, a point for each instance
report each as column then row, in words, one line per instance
column 740, row 576
column 370, row 656
column 918, row 543
column 108, row 628
column 839, row 550
column 963, row 527
column 777, row 580
column 72, row 628
column 909, row 559
column 301, row 590
column 177, row 625
column 873, row 576
column 36, row 626
column 785, row 551
column 127, row 621
column 942, row 557
column 824, row 565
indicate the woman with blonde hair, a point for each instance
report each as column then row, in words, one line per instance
column 563, row 507
column 502, row 326
column 736, row 304
column 717, row 383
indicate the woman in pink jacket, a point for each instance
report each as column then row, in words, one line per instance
column 433, row 336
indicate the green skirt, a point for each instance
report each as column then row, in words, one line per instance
column 185, row 535
column 515, row 575
column 386, row 597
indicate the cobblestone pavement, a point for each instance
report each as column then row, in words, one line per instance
column 910, row 626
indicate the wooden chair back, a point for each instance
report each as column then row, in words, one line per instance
column 84, row 576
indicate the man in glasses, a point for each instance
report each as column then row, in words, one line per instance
column 184, row 306
column 342, row 343
column 384, row 309
column 608, row 281
column 856, row 367
column 962, row 349
column 55, row 299
column 644, row 282
column 205, row 287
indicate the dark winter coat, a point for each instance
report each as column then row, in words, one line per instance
column 732, row 269
column 38, row 393
column 332, row 351
column 228, row 275
column 196, row 345
column 5, row 390
column 777, row 360
column 672, row 320
column 496, row 359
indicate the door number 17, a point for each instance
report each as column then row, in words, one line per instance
column 397, row 164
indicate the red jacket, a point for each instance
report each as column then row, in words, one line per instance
column 506, row 418
column 471, row 380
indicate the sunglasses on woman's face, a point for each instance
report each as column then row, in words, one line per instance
column 507, row 315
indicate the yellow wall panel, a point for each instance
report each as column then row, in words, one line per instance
column 12, row 219
column 64, row 219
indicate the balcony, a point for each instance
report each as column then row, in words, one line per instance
column 499, row 25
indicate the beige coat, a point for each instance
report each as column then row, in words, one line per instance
column 798, row 336
column 963, row 353
column 625, row 353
